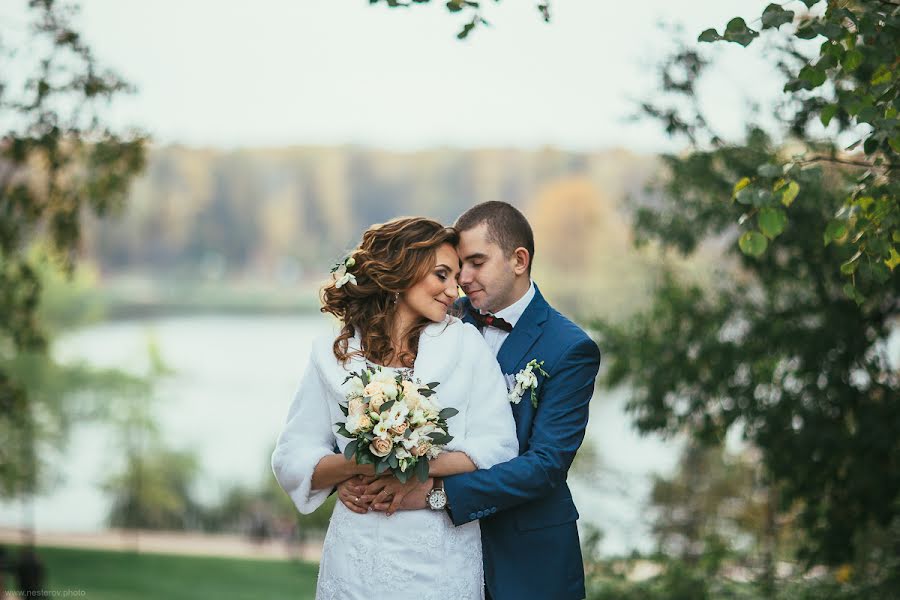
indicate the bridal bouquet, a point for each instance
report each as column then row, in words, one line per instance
column 393, row 422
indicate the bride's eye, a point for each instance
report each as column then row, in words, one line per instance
column 441, row 275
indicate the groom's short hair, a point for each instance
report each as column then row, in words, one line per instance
column 506, row 226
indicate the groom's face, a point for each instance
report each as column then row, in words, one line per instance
column 487, row 276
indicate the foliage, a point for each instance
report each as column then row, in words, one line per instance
column 57, row 161
column 471, row 8
column 153, row 490
column 846, row 89
column 774, row 350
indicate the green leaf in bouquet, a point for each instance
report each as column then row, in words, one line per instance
column 381, row 466
column 344, row 409
column 402, row 476
column 440, row 438
column 432, row 385
column 365, row 458
column 342, row 430
column 447, row 413
column 350, row 449
column 407, row 433
column 386, row 406
column 422, row 469
column 426, row 392
column 392, row 460
column 364, row 376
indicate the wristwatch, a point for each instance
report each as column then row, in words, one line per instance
column 437, row 497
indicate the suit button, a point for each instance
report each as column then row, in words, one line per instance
column 480, row 513
column 493, row 509
column 473, row 516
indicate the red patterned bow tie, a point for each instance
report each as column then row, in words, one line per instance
column 490, row 321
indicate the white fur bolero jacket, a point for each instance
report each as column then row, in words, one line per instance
column 451, row 353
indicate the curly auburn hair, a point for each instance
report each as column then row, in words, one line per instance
column 391, row 258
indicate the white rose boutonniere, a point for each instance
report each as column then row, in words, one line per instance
column 527, row 380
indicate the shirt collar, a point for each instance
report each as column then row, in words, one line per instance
column 512, row 313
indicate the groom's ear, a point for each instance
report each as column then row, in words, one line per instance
column 522, row 262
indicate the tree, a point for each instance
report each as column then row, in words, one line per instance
column 849, row 86
column 772, row 348
column 58, row 161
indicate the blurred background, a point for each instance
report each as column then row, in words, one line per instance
column 713, row 187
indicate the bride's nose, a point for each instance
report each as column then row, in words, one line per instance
column 452, row 291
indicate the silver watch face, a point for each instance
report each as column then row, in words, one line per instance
column 437, row 499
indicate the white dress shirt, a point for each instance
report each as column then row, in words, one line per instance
column 511, row 314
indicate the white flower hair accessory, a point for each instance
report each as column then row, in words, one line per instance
column 527, row 380
column 340, row 272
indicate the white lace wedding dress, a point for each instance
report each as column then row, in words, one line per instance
column 411, row 554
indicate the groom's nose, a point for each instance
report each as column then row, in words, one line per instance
column 465, row 276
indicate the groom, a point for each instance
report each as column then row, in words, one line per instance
column 528, row 519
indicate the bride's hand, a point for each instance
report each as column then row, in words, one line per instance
column 350, row 493
column 387, row 494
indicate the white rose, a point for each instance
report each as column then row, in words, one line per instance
column 402, row 453
column 354, row 387
column 416, row 418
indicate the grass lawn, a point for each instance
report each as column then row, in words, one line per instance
column 103, row 575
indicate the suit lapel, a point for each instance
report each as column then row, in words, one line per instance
column 524, row 334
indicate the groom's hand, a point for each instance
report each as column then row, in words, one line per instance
column 389, row 495
column 351, row 492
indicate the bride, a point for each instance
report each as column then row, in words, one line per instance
column 392, row 300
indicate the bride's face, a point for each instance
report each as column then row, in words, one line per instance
column 432, row 296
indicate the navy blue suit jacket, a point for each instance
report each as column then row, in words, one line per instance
column 528, row 519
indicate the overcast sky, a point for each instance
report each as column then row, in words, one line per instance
column 284, row 72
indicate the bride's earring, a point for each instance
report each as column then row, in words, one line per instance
column 396, row 297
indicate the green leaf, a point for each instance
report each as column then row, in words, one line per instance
column 828, row 113
column 813, row 75
column 835, row 230
column 737, row 31
column 386, row 406
column 447, row 413
column 851, row 292
column 774, row 16
column 709, row 35
column 350, row 449
column 894, row 259
column 870, row 145
column 852, row 60
column 772, row 222
column 882, row 75
column 381, row 466
column 753, row 243
column 894, row 143
column 422, row 469
column 741, row 184
column 789, row 194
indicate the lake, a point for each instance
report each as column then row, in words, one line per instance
column 234, row 380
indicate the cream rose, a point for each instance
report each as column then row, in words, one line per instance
column 421, row 449
column 399, row 428
column 356, row 407
column 380, row 447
